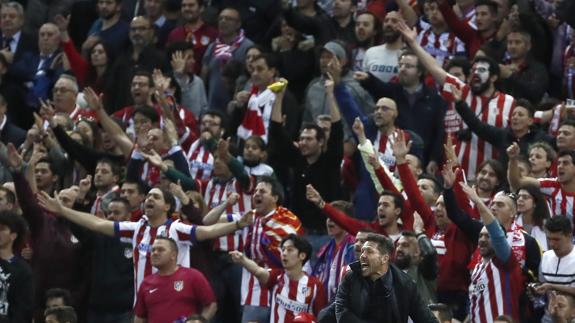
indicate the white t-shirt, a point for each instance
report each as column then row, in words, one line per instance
column 382, row 62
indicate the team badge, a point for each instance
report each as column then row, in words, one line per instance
column 179, row 285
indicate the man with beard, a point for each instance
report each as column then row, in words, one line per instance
column 109, row 28
column 421, row 108
column 382, row 61
column 416, row 256
column 495, row 111
column 141, row 56
column 194, row 30
column 367, row 33
column 106, row 179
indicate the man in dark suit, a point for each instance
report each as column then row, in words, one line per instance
column 13, row 40
column 8, row 131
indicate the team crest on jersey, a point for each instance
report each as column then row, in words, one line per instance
column 306, row 291
column 178, row 285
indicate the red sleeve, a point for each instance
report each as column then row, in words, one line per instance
column 320, row 299
column 385, row 181
column 460, row 28
column 414, row 196
column 31, row 210
column 78, row 64
column 203, row 289
column 275, row 273
column 461, row 197
column 140, row 309
column 349, row 224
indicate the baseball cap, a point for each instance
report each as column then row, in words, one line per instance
column 304, row 317
column 336, row 49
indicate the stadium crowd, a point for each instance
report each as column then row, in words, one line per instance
column 278, row 161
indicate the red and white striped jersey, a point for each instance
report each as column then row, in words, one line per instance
column 331, row 259
column 262, row 244
column 438, row 242
column 494, row 290
column 257, row 118
column 141, row 235
column 216, row 193
column 383, row 145
column 442, row 46
column 495, row 111
column 561, row 202
column 201, row 161
column 290, row 297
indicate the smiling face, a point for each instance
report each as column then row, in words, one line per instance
column 309, row 145
column 487, row 179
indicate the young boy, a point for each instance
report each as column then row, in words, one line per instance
column 293, row 291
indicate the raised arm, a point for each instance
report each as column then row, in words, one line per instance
column 216, row 214
column 85, row 220
column 410, row 37
column 221, row 229
column 111, row 127
column 261, row 273
column 516, row 180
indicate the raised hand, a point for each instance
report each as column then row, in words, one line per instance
column 359, row 130
column 177, row 191
column 161, row 82
column 223, row 149
column 329, row 84
column 409, row 34
column 178, row 62
column 449, row 149
column 15, row 161
column 62, row 22
column 513, row 151
column 47, row 110
column 313, row 195
column 92, row 99
column 247, row 219
column 232, row 199
column 153, row 158
column 84, row 185
column 49, row 203
column 418, row 225
column 334, row 70
column 399, row 147
column 373, row 160
column 470, row 192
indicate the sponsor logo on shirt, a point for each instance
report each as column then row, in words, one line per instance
column 290, row 305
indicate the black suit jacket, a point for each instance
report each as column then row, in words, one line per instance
column 28, row 42
column 13, row 134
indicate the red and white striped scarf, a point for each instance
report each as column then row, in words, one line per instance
column 223, row 52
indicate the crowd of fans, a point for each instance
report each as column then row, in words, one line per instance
column 287, row 161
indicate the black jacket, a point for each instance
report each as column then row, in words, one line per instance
column 392, row 298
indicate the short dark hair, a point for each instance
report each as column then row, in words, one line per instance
column 215, row 113
column 277, row 189
column 171, row 242
column 50, row 163
column 301, row 244
column 377, row 26
column 397, row 198
column 140, row 186
column 16, row 224
column 62, row 293
column 493, row 66
column 559, row 224
column 114, row 167
column 384, row 244
column 567, row 153
column 64, row 314
column 461, row 62
column 319, row 133
column 410, row 52
column 437, row 188
column 541, row 209
column 567, row 122
column 505, row 318
column 443, row 310
column 270, row 59
column 492, row 5
column 497, row 168
column 526, row 105
column 123, row 200
column 170, row 199
column 148, row 112
column 408, row 234
column 143, row 72
column 259, row 141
